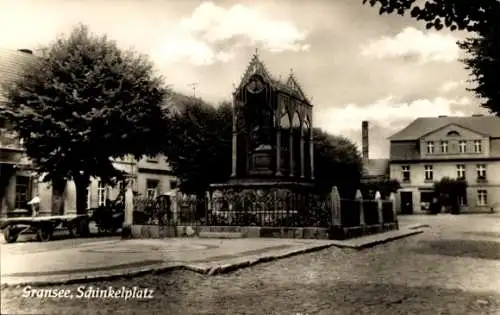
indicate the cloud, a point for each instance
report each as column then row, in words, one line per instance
column 449, row 86
column 213, row 33
column 411, row 43
column 388, row 113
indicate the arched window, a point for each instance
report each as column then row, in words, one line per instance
column 453, row 133
column 296, row 120
column 285, row 121
column 296, row 129
column 285, row 142
column 307, row 144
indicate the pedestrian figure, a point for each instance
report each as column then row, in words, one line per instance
column 35, row 205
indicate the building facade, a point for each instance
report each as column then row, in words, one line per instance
column 19, row 182
column 429, row 149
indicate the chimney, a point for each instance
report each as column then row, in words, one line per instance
column 364, row 139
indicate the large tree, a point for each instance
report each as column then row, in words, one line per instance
column 337, row 162
column 83, row 103
column 450, row 191
column 199, row 143
column 483, row 61
column 470, row 15
column 480, row 17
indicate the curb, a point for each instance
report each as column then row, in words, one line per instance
column 209, row 271
column 389, row 239
column 418, row 226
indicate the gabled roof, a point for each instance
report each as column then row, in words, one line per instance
column 255, row 66
column 291, row 86
column 11, row 63
column 295, row 87
column 487, row 125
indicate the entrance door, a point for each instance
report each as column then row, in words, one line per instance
column 406, row 202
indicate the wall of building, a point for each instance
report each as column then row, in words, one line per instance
column 404, row 150
column 449, row 169
column 156, row 169
column 453, row 147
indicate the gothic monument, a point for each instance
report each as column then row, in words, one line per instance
column 272, row 155
column 272, row 130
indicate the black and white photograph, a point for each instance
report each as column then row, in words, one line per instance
column 274, row 157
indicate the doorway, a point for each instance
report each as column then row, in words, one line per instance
column 406, row 202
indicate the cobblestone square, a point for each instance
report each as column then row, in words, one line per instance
column 448, row 269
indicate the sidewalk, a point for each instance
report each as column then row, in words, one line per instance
column 115, row 258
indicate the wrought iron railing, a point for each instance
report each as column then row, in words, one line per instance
column 370, row 210
column 274, row 207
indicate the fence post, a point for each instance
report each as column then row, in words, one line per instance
column 210, row 205
column 392, row 198
column 129, row 213
column 359, row 198
column 378, row 199
column 336, row 217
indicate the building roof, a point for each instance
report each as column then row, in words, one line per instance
column 375, row 167
column 291, row 86
column 11, row 63
column 487, row 125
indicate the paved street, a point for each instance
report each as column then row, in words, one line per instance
column 451, row 268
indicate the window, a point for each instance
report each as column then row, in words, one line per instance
column 22, row 191
column 453, row 133
column 482, row 197
column 151, row 188
column 430, row 147
column 478, row 146
column 406, row 173
column 462, row 146
column 102, row 194
column 460, row 171
column 429, row 173
column 444, row 146
column 481, row 172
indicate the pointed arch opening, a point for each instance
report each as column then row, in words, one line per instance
column 285, row 125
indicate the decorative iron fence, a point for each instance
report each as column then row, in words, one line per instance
column 388, row 212
column 190, row 209
column 270, row 207
column 350, row 212
column 267, row 207
column 149, row 211
column 370, row 210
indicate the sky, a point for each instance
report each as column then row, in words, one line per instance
column 352, row 63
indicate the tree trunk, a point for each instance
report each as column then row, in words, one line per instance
column 58, row 187
column 81, row 183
